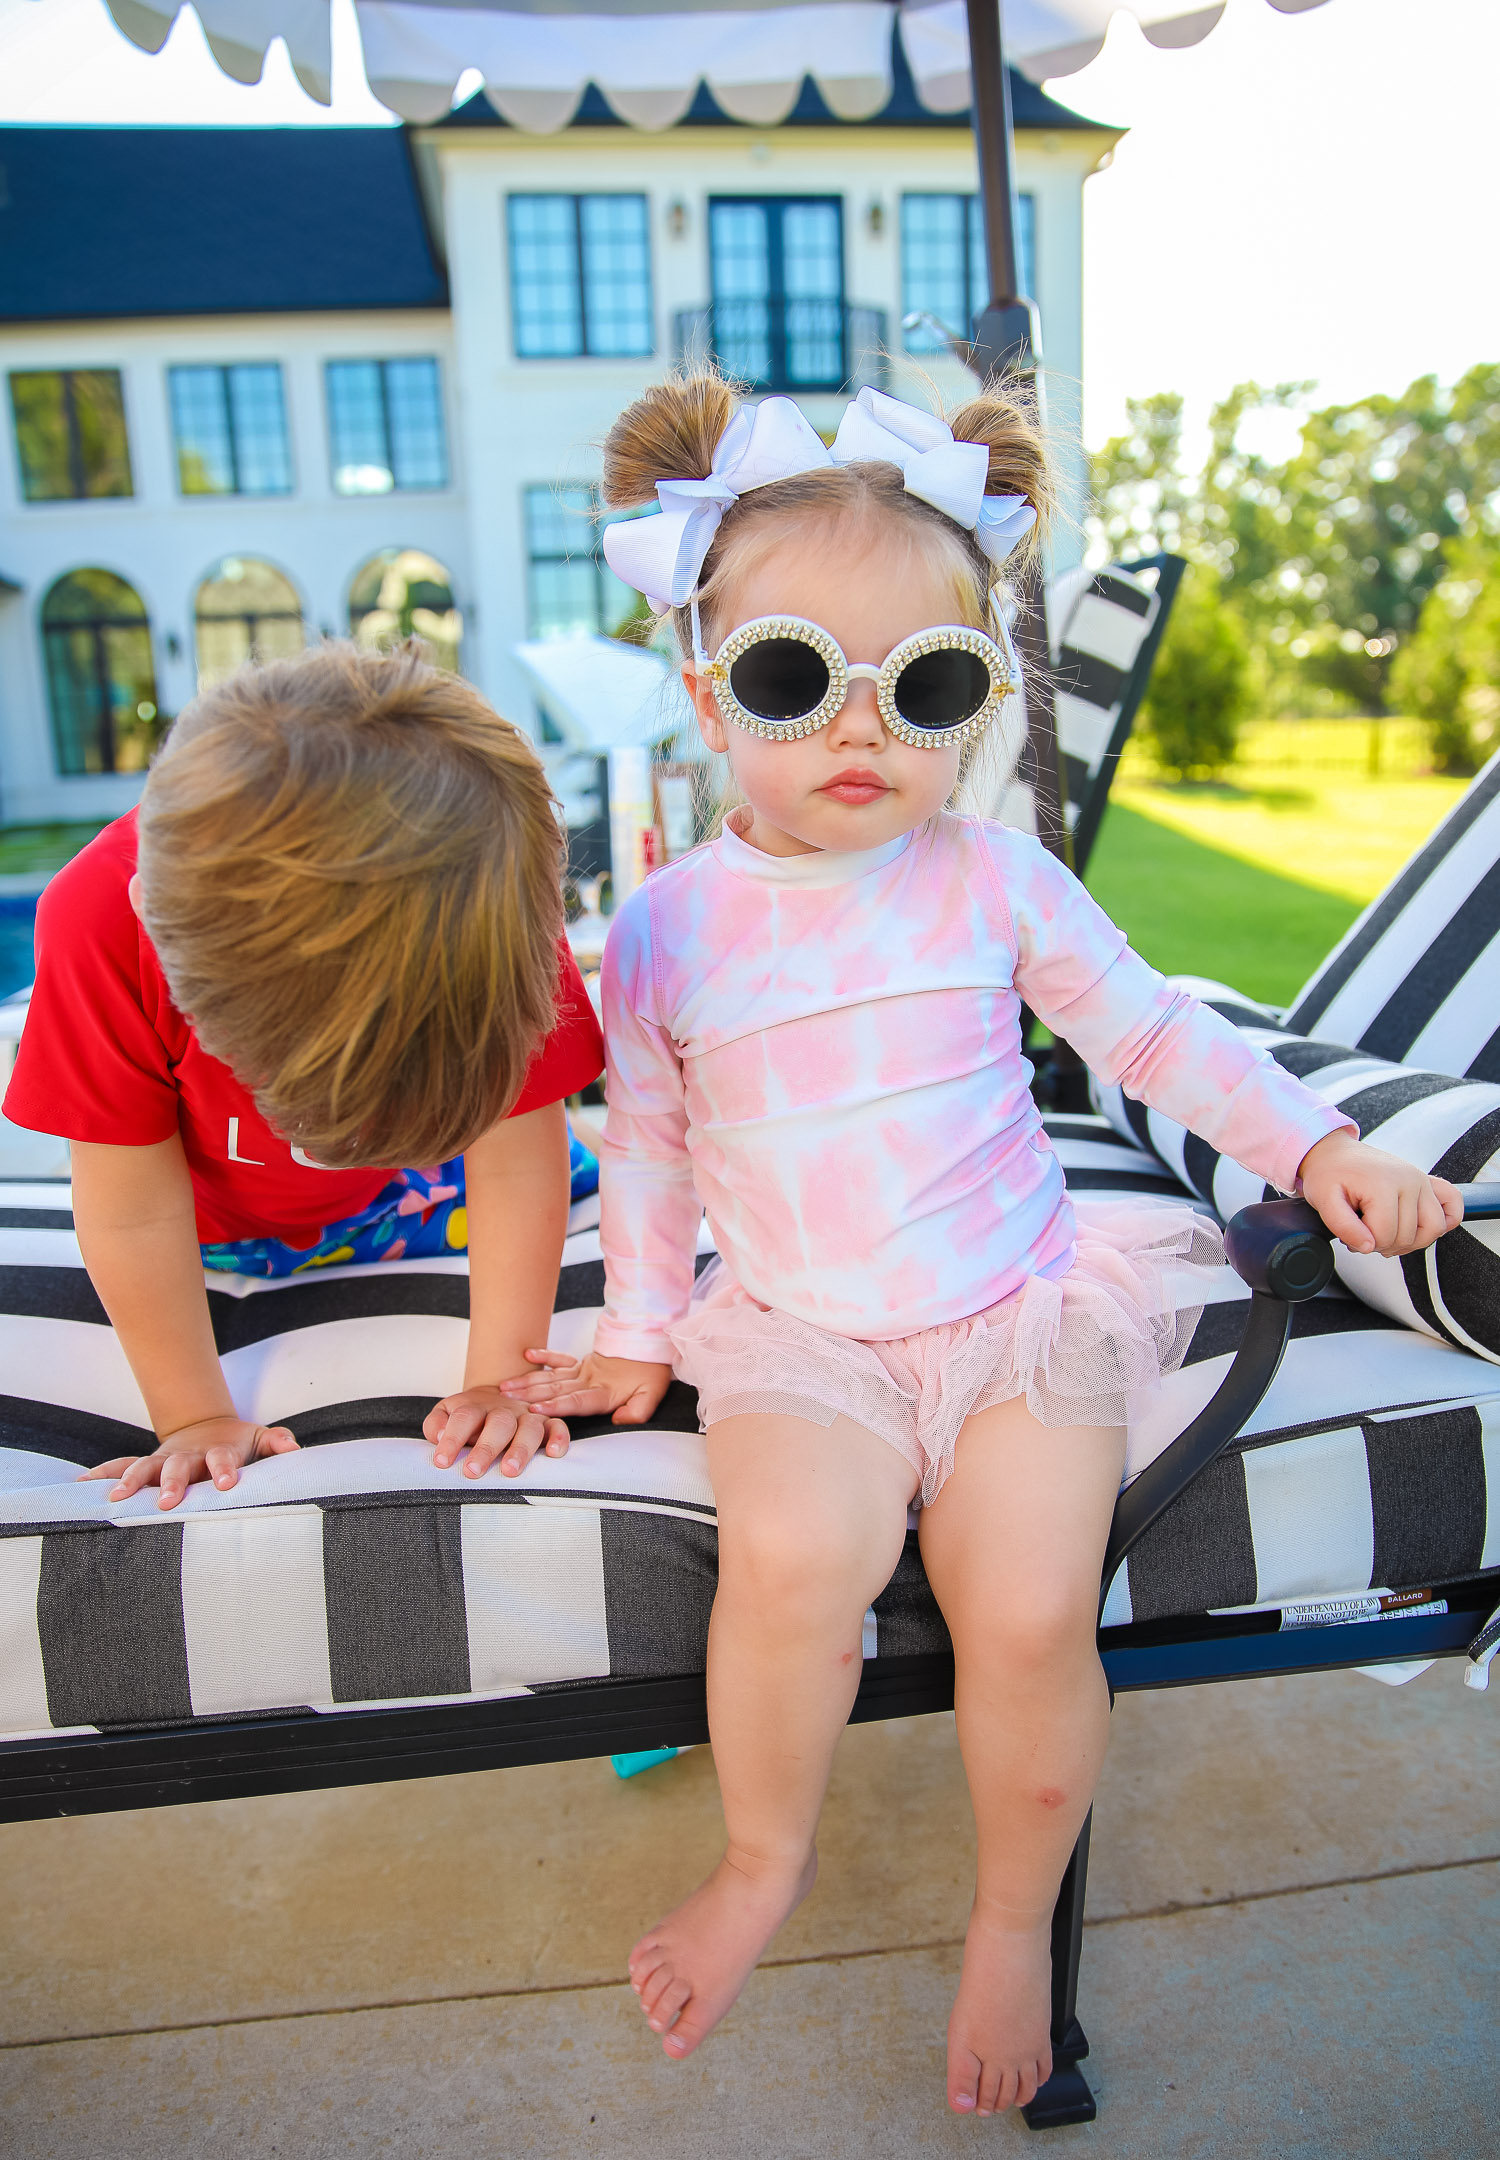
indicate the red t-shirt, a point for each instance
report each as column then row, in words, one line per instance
column 106, row 1056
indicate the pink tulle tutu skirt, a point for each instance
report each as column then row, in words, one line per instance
column 1085, row 1348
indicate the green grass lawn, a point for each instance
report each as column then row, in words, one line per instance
column 1190, row 909
column 28, row 848
column 1253, row 878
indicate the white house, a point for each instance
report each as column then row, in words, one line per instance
column 266, row 384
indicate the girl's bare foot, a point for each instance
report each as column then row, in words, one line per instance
column 689, row 1969
column 999, row 2036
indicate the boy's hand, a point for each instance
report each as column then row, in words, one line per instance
column 1374, row 1202
column 213, row 1447
column 624, row 1389
column 495, row 1427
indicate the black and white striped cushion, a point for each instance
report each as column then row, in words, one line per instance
column 1100, row 621
column 1449, row 1126
column 353, row 1573
column 1108, row 621
column 1417, row 978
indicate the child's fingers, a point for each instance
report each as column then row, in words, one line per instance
column 222, row 1465
column 1432, row 1217
column 537, row 1387
column 275, row 1440
column 492, row 1440
column 145, row 1470
column 559, row 1358
column 177, row 1474
column 1339, row 1217
column 1449, row 1201
column 465, row 1423
column 557, row 1436
column 636, row 1408
column 435, row 1424
column 529, row 1435
column 113, row 1469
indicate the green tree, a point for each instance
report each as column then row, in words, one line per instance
column 1200, row 685
column 1330, row 554
column 1142, row 502
column 1448, row 674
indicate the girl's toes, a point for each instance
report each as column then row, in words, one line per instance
column 649, row 1983
column 682, row 2039
column 963, row 2082
column 669, row 2006
column 654, row 1987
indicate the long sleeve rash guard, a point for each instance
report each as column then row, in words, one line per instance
column 824, row 1053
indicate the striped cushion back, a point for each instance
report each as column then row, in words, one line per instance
column 1099, row 621
column 1418, row 976
column 1446, row 1125
column 1103, row 624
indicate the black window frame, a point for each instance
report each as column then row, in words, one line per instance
column 779, row 377
column 585, row 349
column 224, row 369
column 382, row 364
column 95, row 625
column 77, row 472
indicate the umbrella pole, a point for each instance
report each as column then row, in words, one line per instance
column 1007, row 340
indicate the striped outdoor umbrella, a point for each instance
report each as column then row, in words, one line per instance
column 649, row 56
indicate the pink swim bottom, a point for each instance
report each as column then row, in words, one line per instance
column 1084, row 1349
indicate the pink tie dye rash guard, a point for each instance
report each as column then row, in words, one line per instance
column 824, row 1053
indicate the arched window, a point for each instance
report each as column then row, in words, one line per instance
column 101, row 678
column 403, row 593
column 245, row 610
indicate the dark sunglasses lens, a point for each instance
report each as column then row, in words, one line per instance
column 780, row 678
column 942, row 689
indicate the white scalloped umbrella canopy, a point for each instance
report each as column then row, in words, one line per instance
column 649, row 56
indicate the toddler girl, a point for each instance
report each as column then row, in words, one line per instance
column 813, row 1031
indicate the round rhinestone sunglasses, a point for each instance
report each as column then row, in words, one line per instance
column 785, row 678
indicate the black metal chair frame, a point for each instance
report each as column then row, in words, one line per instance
column 1280, row 1248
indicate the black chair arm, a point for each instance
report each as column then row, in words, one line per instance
column 1283, row 1251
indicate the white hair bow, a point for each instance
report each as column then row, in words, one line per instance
column 950, row 475
column 662, row 556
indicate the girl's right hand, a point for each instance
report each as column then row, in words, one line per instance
column 624, row 1389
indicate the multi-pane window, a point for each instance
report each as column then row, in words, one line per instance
column 245, row 610
column 573, row 590
column 943, row 271
column 385, row 422
column 778, row 285
column 101, row 679
column 580, row 276
column 70, row 433
column 230, row 428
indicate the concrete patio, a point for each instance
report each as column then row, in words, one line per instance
column 1292, row 1950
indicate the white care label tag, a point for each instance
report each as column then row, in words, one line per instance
column 1365, row 1605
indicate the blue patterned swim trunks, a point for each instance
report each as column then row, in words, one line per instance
column 420, row 1215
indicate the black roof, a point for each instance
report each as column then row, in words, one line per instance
column 1030, row 108
column 105, row 221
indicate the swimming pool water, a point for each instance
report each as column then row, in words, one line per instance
column 17, row 922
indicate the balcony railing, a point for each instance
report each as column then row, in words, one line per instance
column 787, row 344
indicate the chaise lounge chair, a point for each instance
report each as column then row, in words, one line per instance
column 1294, row 1504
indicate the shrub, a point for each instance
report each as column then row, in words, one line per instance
column 1448, row 672
column 1200, row 685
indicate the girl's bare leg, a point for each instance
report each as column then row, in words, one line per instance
column 1013, row 1547
column 811, row 1524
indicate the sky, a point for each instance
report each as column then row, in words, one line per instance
column 1307, row 196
